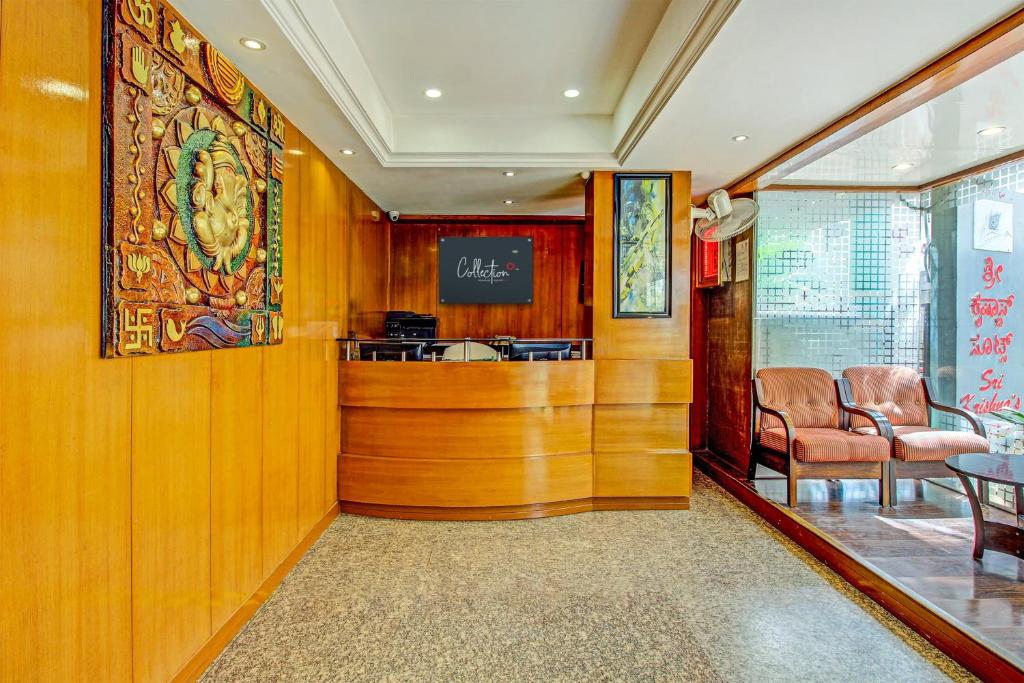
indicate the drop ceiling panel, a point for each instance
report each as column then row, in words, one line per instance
column 780, row 70
column 502, row 57
column 939, row 137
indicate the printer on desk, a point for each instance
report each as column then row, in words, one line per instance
column 409, row 325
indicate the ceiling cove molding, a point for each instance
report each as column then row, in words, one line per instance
column 296, row 26
column 589, row 160
column 697, row 40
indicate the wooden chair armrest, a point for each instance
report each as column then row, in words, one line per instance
column 929, row 396
column 787, row 421
column 878, row 419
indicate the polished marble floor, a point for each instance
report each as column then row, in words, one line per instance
column 924, row 544
column 709, row 594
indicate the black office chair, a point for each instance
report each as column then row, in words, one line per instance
column 391, row 350
column 540, row 351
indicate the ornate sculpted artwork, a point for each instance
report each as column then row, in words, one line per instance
column 192, row 191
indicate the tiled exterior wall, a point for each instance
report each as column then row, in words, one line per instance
column 840, row 280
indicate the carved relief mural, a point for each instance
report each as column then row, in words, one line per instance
column 192, row 191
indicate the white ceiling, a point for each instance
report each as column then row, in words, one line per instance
column 502, row 57
column 665, row 94
column 939, row 137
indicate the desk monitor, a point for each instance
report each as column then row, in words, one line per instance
column 541, row 351
column 391, row 350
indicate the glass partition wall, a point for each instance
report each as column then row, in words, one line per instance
column 927, row 280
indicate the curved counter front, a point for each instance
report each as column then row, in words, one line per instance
column 476, row 440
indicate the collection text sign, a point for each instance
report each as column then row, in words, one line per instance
column 485, row 270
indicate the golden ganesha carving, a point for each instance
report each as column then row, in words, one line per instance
column 194, row 167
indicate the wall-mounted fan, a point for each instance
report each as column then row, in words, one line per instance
column 724, row 217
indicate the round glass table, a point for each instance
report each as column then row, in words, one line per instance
column 998, row 468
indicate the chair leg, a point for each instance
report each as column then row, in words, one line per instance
column 892, row 483
column 884, row 490
column 791, row 489
column 752, row 466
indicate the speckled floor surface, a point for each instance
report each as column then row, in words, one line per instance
column 709, row 594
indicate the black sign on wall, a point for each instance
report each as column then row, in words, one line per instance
column 485, row 270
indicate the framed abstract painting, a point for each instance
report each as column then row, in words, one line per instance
column 643, row 245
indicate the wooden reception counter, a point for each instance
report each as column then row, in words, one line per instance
column 486, row 440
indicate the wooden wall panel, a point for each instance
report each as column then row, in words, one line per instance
column 641, row 337
column 729, row 311
column 440, row 433
column 370, row 239
column 336, row 310
column 236, row 480
column 557, row 253
column 641, row 428
column 65, row 432
column 467, row 385
column 281, row 387
column 463, row 482
column 170, row 511
column 312, row 362
column 644, row 381
column 141, row 500
column 622, row 475
column 644, row 378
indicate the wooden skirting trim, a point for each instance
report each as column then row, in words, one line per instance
column 659, row 503
column 534, row 511
column 216, row 644
column 987, row 662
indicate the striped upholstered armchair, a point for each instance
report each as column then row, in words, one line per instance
column 798, row 431
column 906, row 400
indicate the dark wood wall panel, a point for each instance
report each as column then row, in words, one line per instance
column 729, row 315
column 557, row 254
column 369, row 240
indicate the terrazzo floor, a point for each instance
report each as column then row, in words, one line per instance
column 709, row 594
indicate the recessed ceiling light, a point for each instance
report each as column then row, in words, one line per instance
column 508, row 174
column 740, row 138
column 903, row 166
column 432, row 93
column 572, row 92
column 991, row 130
column 348, row 152
column 507, row 201
column 253, row 44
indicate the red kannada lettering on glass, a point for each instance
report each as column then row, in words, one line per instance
column 987, row 307
column 995, row 345
column 993, row 274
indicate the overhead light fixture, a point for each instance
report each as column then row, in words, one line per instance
column 991, row 130
column 572, row 92
column 295, row 152
column 348, row 152
column 507, row 201
column 740, row 138
column 432, row 93
column 903, row 166
column 253, row 44
column 508, row 174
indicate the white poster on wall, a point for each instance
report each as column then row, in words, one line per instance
column 993, row 225
column 743, row 260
